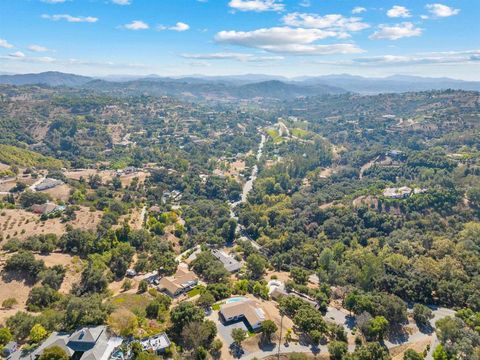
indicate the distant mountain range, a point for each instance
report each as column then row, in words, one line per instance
column 51, row 78
column 194, row 88
column 395, row 83
column 248, row 86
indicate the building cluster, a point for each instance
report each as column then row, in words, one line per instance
column 401, row 192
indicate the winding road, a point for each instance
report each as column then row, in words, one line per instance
column 247, row 187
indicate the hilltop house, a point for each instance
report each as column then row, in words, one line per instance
column 402, row 192
column 183, row 281
column 89, row 343
column 397, row 193
column 243, row 309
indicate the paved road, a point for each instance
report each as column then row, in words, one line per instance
column 341, row 317
column 438, row 314
column 247, row 187
column 180, row 256
column 39, row 181
column 292, row 347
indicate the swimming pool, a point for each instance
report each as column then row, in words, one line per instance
column 235, row 299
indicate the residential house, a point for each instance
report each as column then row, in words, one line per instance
column 397, row 193
column 155, row 209
column 276, row 289
column 229, row 263
column 48, row 183
column 183, row 281
column 243, row 309
column 46, row 209
column 157, row 344
column 89, row 343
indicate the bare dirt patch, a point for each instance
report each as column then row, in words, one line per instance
column 72, row 264
column 115, row 131
column 281, row 275
column 20, row 224
column 419, row 346
column 13, row 287
column 59, row 193
column 128, row 178
column 105, row 175
column 4, row 166
column 86, row 219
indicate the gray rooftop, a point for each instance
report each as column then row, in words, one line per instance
column 228, row 262
column 90, row 343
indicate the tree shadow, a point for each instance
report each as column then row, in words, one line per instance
column 266, row 345
column 350, row 321
column 397, row 335
column 425, row 328
column 9, row 276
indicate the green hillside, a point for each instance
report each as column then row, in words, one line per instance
column 12, row 155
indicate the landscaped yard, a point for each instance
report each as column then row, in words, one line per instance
column 195, row 291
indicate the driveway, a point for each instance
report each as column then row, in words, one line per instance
column 225, row 330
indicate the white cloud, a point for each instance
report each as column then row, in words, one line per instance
column 334, row 22
column 232, row 56
column 122, row 2
column 256, row 5
column 53, row 1
column 358, row 10
column 37, row 48
column 450, row 57
column 5, row 44
column 305, row 3
column 70, row 18
column 136, row 25
column 68, row 63
column 398, row 12
column 395, row 32
column 297, row 41
column 440, row 11
column 199, row 64
column 17, row 54
column 179, row 26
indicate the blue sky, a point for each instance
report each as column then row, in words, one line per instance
column 216, row 37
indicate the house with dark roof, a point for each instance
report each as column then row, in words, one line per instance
column 89, row 343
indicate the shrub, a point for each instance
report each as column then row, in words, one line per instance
column 9, row 303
